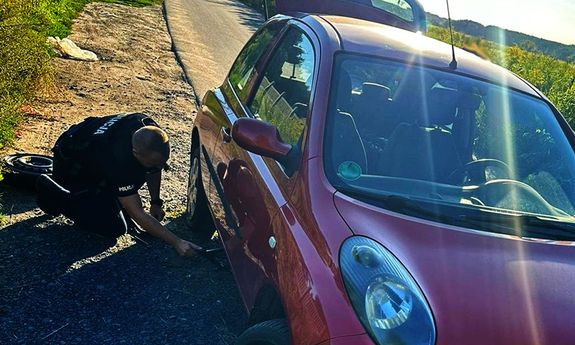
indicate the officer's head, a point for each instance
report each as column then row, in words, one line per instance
column 151, row 147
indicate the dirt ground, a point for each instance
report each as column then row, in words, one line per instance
column 60, row 285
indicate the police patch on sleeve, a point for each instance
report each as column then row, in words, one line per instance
column 124, row 189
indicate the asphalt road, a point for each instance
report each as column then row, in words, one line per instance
column 208, row 35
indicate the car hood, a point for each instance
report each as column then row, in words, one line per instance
column 483, row 288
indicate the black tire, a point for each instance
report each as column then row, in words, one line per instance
column 272, row 332
column 197, row 210
column 24, row 168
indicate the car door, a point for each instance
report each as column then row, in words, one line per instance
column 405, row 14
column 252, row 188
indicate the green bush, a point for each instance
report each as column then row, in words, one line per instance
column 60, row 14
column 24, row 58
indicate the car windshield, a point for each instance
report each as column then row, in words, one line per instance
column 438, row 137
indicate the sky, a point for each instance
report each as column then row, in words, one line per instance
column 550, row 19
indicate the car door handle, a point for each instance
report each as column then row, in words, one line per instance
column 226, row 135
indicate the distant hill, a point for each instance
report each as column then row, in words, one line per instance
column 492, row 33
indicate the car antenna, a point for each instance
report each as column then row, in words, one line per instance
column 266, row 10
column 453, row 64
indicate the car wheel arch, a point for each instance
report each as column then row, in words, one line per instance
column 268, row 306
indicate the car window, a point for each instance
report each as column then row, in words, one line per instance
column 399, row 8
column 405, row 14
column 283, row 95
column 244, row 67
column 445, row 138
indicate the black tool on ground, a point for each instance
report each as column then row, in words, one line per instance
column 210, row 254
column 24, row 168
column 211, row 251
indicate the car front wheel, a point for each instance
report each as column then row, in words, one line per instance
column 272, row 332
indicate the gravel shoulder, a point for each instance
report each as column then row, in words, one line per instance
column 61, row 285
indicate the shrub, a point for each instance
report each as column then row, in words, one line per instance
column 24, row 58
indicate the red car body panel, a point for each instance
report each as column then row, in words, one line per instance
column 240, row 215
column 482, row 288
column 497, row 289
column 258, row 192
column 353, row 340
column 319, row 234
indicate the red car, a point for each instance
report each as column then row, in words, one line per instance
column 369, row 190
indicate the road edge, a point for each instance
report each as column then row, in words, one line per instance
column 175, row 45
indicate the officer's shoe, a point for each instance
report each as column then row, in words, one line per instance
column 51, row 197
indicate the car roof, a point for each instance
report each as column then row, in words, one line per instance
column 364, row 37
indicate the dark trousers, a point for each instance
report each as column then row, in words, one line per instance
column 92, row 208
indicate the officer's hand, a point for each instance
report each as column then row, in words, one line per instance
column 157, row 212
column 186, row 248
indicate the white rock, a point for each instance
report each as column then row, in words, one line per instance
column 53, row 42
column 70, row 50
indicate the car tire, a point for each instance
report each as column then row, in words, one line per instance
column 23, row 169
column 272, row 332
column 197, row 210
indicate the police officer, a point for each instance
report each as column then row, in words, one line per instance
column 99, row 166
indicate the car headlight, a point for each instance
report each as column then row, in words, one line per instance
column 386, row 298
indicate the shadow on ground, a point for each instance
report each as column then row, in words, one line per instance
column 61, row 285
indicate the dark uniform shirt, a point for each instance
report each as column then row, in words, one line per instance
column 100, row 150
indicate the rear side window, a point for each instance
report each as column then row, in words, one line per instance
column 244, row 68
column 399, row 8
column 283, row 95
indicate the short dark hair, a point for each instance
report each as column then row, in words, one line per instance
column 151, row 139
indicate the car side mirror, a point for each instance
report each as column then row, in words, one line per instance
column 262, row 138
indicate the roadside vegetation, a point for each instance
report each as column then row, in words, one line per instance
column 555, row 78
column 24, row 59
column 25, row 67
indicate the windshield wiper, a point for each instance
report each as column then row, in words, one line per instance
column 392, row 202
column 524, row 225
